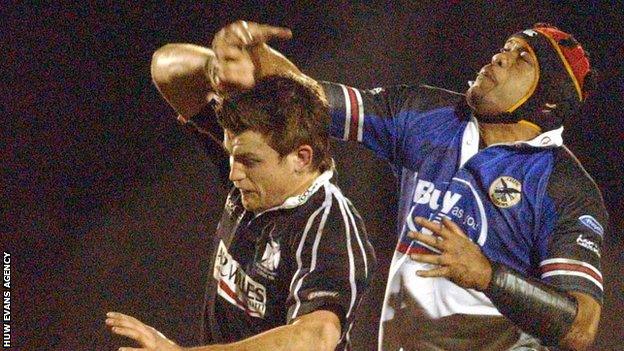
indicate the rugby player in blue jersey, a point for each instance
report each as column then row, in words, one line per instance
column 500, row 227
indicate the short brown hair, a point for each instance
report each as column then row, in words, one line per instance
column 288, row 111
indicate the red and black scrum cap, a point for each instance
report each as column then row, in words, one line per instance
column 563, row 69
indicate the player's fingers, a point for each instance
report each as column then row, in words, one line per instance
column 130, row 333
column 453, row 227
column 120, row 315
column 225, row 53
column 436, row 272
column 226, row 39
column 435, row 227
column 115, row 319
column 124, row 317
column 237, row 34
column 431, row 240
column 424, row 258
column 113, row 322
column 231, row 34
column 131, row 349
column 242, row 33
column 113, row 314
column 262, row 32
column 246, row 32
column 125, row 321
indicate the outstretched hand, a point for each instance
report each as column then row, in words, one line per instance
column 149, row 338
column 460, row 260
column 243, row 33
column 234, row 66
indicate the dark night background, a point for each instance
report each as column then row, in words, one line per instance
column 108, row 204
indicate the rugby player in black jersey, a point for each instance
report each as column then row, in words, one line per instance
column 291, row 255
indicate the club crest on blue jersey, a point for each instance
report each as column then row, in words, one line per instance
column 505, row 192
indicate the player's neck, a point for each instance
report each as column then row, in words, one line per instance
column 303, row 182
column 494, row 133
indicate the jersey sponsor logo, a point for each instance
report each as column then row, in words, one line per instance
column 591, row 223
column 588, row 244
column 505, row 192
column 460, row 202
column 426, row 193
column 236, row 287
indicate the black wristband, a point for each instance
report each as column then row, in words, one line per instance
column 533, row 306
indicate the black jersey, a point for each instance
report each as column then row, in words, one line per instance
column 311, row 253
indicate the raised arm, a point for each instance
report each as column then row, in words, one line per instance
column 181, row 73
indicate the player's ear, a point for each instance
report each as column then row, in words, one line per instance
column 302, row 158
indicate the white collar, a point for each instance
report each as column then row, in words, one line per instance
column 470, row 140
column 551, row 138
column 302, row 198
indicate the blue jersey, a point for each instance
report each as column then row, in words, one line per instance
column 529, row 205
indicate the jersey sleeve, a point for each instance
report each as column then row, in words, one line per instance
column 207, row 131
column 389, row 121
column 571, row 259
column 334, row 262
